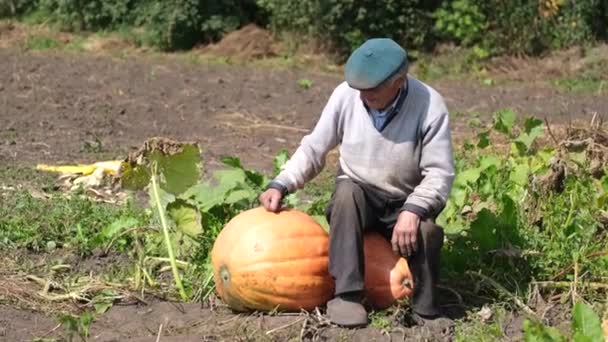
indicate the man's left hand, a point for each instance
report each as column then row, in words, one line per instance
column 405, row 234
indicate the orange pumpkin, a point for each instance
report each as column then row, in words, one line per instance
column 264, row 261
column 387, row 276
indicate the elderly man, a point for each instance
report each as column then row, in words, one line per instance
column 395, row 174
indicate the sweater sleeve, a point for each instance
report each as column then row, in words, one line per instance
column 436, row 165
column 309, row 158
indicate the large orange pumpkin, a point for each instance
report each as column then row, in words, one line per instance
column 264, row 261
column 387, row 276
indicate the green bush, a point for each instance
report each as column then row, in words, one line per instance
column 461, row 21
column 531, row 27
column 76, row 15
column 346, row 24
column 170, row 25
column 11, row 8
column 496, row 26
column 180, row 24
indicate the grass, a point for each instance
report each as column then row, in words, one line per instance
column 595, row 86
column 475, row 328
column 42, row 42
column 46, row 224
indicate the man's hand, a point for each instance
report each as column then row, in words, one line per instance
column 271, row 199
column 405, row 234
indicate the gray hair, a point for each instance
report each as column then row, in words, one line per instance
column 401, row 72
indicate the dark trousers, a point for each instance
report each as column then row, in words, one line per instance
column 355, row 208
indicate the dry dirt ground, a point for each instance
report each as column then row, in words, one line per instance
column 58, row 107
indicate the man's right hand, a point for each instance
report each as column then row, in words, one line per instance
column 271, row 200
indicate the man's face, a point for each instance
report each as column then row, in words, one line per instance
column 381, row 96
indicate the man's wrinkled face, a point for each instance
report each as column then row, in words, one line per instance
column 381, row 96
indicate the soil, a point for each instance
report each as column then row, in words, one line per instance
column 59, row 107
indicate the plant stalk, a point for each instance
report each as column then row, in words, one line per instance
column 163, row 222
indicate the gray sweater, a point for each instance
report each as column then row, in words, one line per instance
column 410, row 159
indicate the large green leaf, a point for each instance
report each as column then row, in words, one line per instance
column 232, row 161
column 205, row 196
column 186, row 217
column 178, row 165
column 488, row 161
column 504, row 120
column 469, row 176
column 180, row 170
column 458, row 196
column 519, row 174
column 229, row 179
column 532, row 130
column 586, row 324
column 240, row 195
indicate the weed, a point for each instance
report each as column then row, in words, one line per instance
column 478, row 329
column 41, row 43
column 305, row 83
column 77, row 326
column 58, row 222
column 380, row 320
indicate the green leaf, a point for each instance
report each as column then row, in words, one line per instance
column 483, row 230
column 533, row 126
column 134, row 177
column 258, row 179
column 458, row 196
column 586, row 324
column 165, row 199
column 102, row 307
column 519, row 174
column 604, row 182
column 180, row 170
column 280, row 160
column 469, row 176
column 229, row 179
column 483, row 139
column 119, row 225
column 187, row 218
column 205, row 196
column 536, row 332
column 504, row 121
column 509, row 212
column 322, row 221
column 240, row 195
column 533, row 130
column 232, row 161
column 489, row 161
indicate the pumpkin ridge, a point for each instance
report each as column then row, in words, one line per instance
column 273, row 262
column 294, row 296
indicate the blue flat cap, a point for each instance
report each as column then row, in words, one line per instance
column 373, row 63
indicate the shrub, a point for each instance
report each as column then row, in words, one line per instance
column 461, row 21
column 346, row 24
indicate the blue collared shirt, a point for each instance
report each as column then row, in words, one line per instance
column 379, row 117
